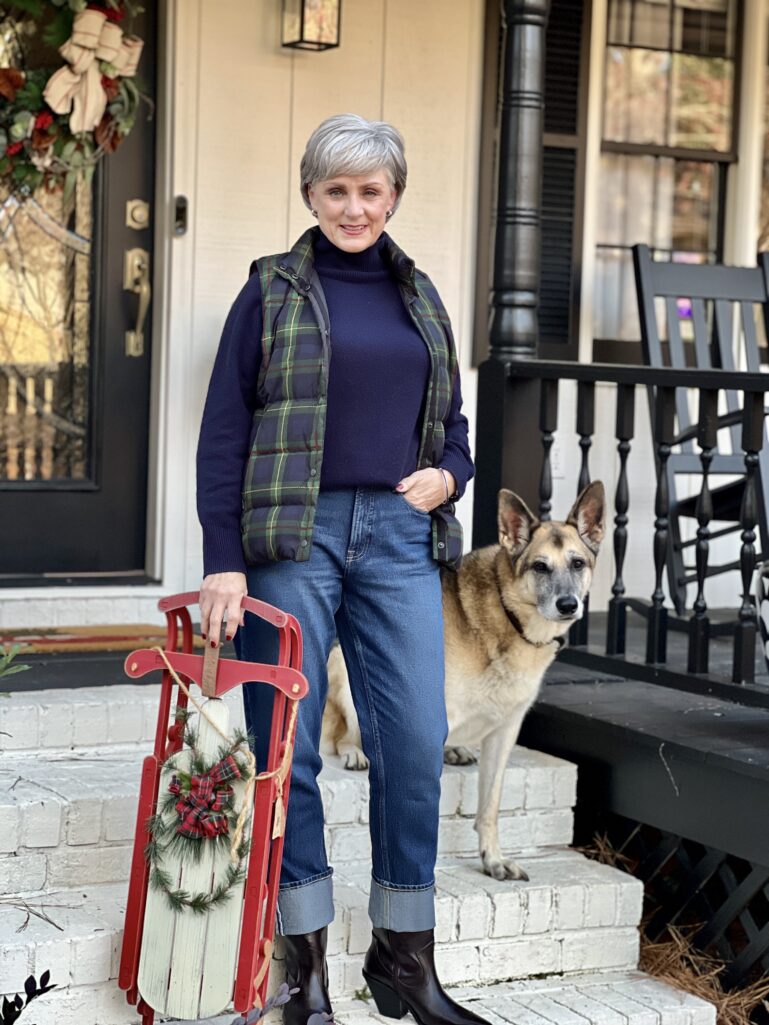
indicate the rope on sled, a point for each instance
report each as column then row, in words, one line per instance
column 279, row 774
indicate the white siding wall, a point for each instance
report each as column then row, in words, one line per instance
column 417, row 65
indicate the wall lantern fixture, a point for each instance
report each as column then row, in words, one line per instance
column 311, row 24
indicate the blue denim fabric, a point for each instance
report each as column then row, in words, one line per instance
column 371, row 580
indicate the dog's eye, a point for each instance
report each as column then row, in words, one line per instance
column 578, row 564
column 540, row 567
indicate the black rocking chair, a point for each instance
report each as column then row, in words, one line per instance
column 711, row 294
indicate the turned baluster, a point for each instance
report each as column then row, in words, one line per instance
column 548, row 423
column 585, row 428
column 744, row 664
column 664, row 423
column 699, row 624
column 623, row 432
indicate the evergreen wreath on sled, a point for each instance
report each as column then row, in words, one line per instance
column 197, row 810
column 57, row 122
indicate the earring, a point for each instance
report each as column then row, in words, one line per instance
column 314, row 213
column 388, row 215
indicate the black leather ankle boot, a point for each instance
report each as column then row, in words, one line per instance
column 400, row 972
column 306, row 968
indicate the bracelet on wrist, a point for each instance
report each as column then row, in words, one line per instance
column 445, row 481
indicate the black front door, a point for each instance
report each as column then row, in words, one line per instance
column 75, row 314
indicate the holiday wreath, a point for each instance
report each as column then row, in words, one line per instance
column 198, row 809
column 57, row 120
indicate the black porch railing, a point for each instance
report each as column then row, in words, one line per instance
column 689, row 672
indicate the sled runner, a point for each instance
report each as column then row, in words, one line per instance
column 200, row 917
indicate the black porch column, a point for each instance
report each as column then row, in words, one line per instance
column 507, row 451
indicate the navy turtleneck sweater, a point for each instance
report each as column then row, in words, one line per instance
column 377, row 376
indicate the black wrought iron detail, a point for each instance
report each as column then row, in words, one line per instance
column 744, row 665
column 699, row 624
column 664, row 414
column 548, row 423
column 624, row 429
column 585, row 428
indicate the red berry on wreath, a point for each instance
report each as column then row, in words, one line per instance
column 44, row 119
column 14, row 148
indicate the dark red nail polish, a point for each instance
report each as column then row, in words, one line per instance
column 203, row 636
column 213, row 644
column 228, row 637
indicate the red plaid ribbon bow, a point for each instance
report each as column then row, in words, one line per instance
column 201, row 808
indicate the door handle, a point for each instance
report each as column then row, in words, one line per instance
column 136, row 278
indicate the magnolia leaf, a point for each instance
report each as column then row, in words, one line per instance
column 59, row 28
column 70, row 181
column 34, row 7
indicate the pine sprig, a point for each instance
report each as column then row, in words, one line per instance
column 198, row 903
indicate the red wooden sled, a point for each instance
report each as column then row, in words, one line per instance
column 216, row 677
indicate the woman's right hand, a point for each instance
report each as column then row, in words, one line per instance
column 221, row 593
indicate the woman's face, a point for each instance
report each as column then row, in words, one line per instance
column 352, row 208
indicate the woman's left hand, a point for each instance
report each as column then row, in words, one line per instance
column 426, row 489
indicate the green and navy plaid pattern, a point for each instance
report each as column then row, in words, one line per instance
column 280, row 488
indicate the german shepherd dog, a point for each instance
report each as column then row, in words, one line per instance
column 505, row 612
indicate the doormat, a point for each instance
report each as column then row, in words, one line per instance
column 63, row 639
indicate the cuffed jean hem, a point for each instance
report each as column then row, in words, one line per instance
column 305, row 907
column 402, row 909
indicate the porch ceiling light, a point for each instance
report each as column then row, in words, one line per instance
column 311, row 24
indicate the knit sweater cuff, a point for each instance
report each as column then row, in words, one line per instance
column 222, row 550
column 458, row 468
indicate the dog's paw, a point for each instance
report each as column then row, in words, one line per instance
column 354, row 759
column 458, row 756
column 502, row 868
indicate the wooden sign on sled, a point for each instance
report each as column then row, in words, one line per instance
column 200, row 917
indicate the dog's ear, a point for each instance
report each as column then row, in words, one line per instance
column 588, row 515
column 515, row 522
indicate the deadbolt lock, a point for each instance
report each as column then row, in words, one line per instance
column 137, row 214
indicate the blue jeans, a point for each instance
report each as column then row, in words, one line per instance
column 370, row 580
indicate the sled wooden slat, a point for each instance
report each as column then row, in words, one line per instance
column 187, row 960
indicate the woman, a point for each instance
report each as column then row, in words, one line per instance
column 331, row 450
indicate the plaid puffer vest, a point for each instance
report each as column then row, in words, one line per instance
column 280, row 486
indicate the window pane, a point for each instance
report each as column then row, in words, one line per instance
column 636, row 96
column 640, row 23
column 672, row 206
column 702, row 102
column 694, row 209
column 626, row 208
column 705, row 27
column 616, row 311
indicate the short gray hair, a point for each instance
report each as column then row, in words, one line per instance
column 349, row 144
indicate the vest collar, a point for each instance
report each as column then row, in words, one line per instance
column 298, row 264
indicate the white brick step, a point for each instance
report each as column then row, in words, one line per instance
column 69, row 817
column 590, row 998
column 84, row 717
column 573, row 915
column 605, row 998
